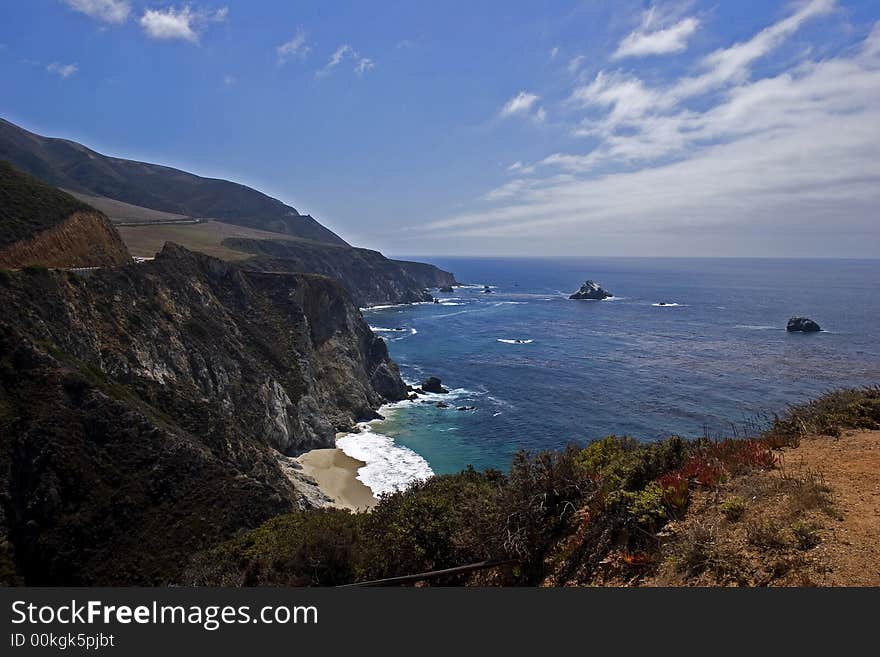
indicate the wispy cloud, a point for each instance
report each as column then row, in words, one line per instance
column 715, row 151
column 62, row 70
column 575, row 63
column 554, row 53
column 108, row 11
column 296, row 47
column 343, row 53
column 184, row 23
column 654, row 37
column 524, row 104
column 363, row 65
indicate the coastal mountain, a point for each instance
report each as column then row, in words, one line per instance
column 74, row 167
column 45, row 226
column 153, row 204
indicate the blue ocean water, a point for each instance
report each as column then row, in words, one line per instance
column 719, row 358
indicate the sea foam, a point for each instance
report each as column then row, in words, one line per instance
column 389, row 467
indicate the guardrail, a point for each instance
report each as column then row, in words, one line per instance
column 433, row 574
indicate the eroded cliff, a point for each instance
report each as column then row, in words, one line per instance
column 146, row 410
column 368, row 276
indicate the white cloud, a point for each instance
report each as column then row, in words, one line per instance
column 775, row 161
column 363, row 65
column 343, row 53
column 296, row 47
column 109, row 11
column 554, row 53
column 63, row 70
column 183, row 24
column 522, row 103
column 647, row 40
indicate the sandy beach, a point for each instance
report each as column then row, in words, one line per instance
column 336, row 474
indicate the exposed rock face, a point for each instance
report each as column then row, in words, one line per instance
column 85, row 239
column 368, row 276
column 41, row 225
column 591, row 290
column 146, row 411
column 802, row 325
column 433, row 384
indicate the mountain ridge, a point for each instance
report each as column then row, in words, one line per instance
column 70, row 165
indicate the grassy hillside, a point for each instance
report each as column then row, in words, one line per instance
column 28, row 206
column 614, row 512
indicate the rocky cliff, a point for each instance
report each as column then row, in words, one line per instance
column 368, row 276
column 146, row 411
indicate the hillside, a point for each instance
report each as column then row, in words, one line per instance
column 798, row 504
column 148, row 411
column 72, row 166
column 40, row 225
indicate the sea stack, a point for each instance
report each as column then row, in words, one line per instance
column 802, row 325
column 591, row 290
column 433, row 384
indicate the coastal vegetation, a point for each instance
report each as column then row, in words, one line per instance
column 616, row 511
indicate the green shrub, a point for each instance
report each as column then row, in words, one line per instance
column 853, row 408
column 734, row 508
column 806, row 534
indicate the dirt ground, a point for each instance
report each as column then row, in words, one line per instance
column 814, row 520
column 850, row 466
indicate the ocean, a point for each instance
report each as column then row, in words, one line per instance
column 542, row 371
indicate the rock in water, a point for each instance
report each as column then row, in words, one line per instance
column 447, row 289
column 591, row 290
column 432, row 384
column 802, row 325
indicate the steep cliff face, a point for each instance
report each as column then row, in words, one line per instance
column 427, row 275
column 41, row 225
column 368, row 276
column 146, row 410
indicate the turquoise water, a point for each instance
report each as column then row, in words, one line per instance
column 719, row 359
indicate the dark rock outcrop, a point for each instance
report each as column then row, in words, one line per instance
column 802, row 325
column 146, row 411
column 591, row 290
column 433, row 384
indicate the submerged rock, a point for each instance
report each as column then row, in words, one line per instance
column 591, row 290
column 441, row 404
column 802, row 325
column 433, row 384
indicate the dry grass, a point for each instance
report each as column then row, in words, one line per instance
column 146, row 241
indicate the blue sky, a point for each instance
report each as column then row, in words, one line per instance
column 487, row 128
